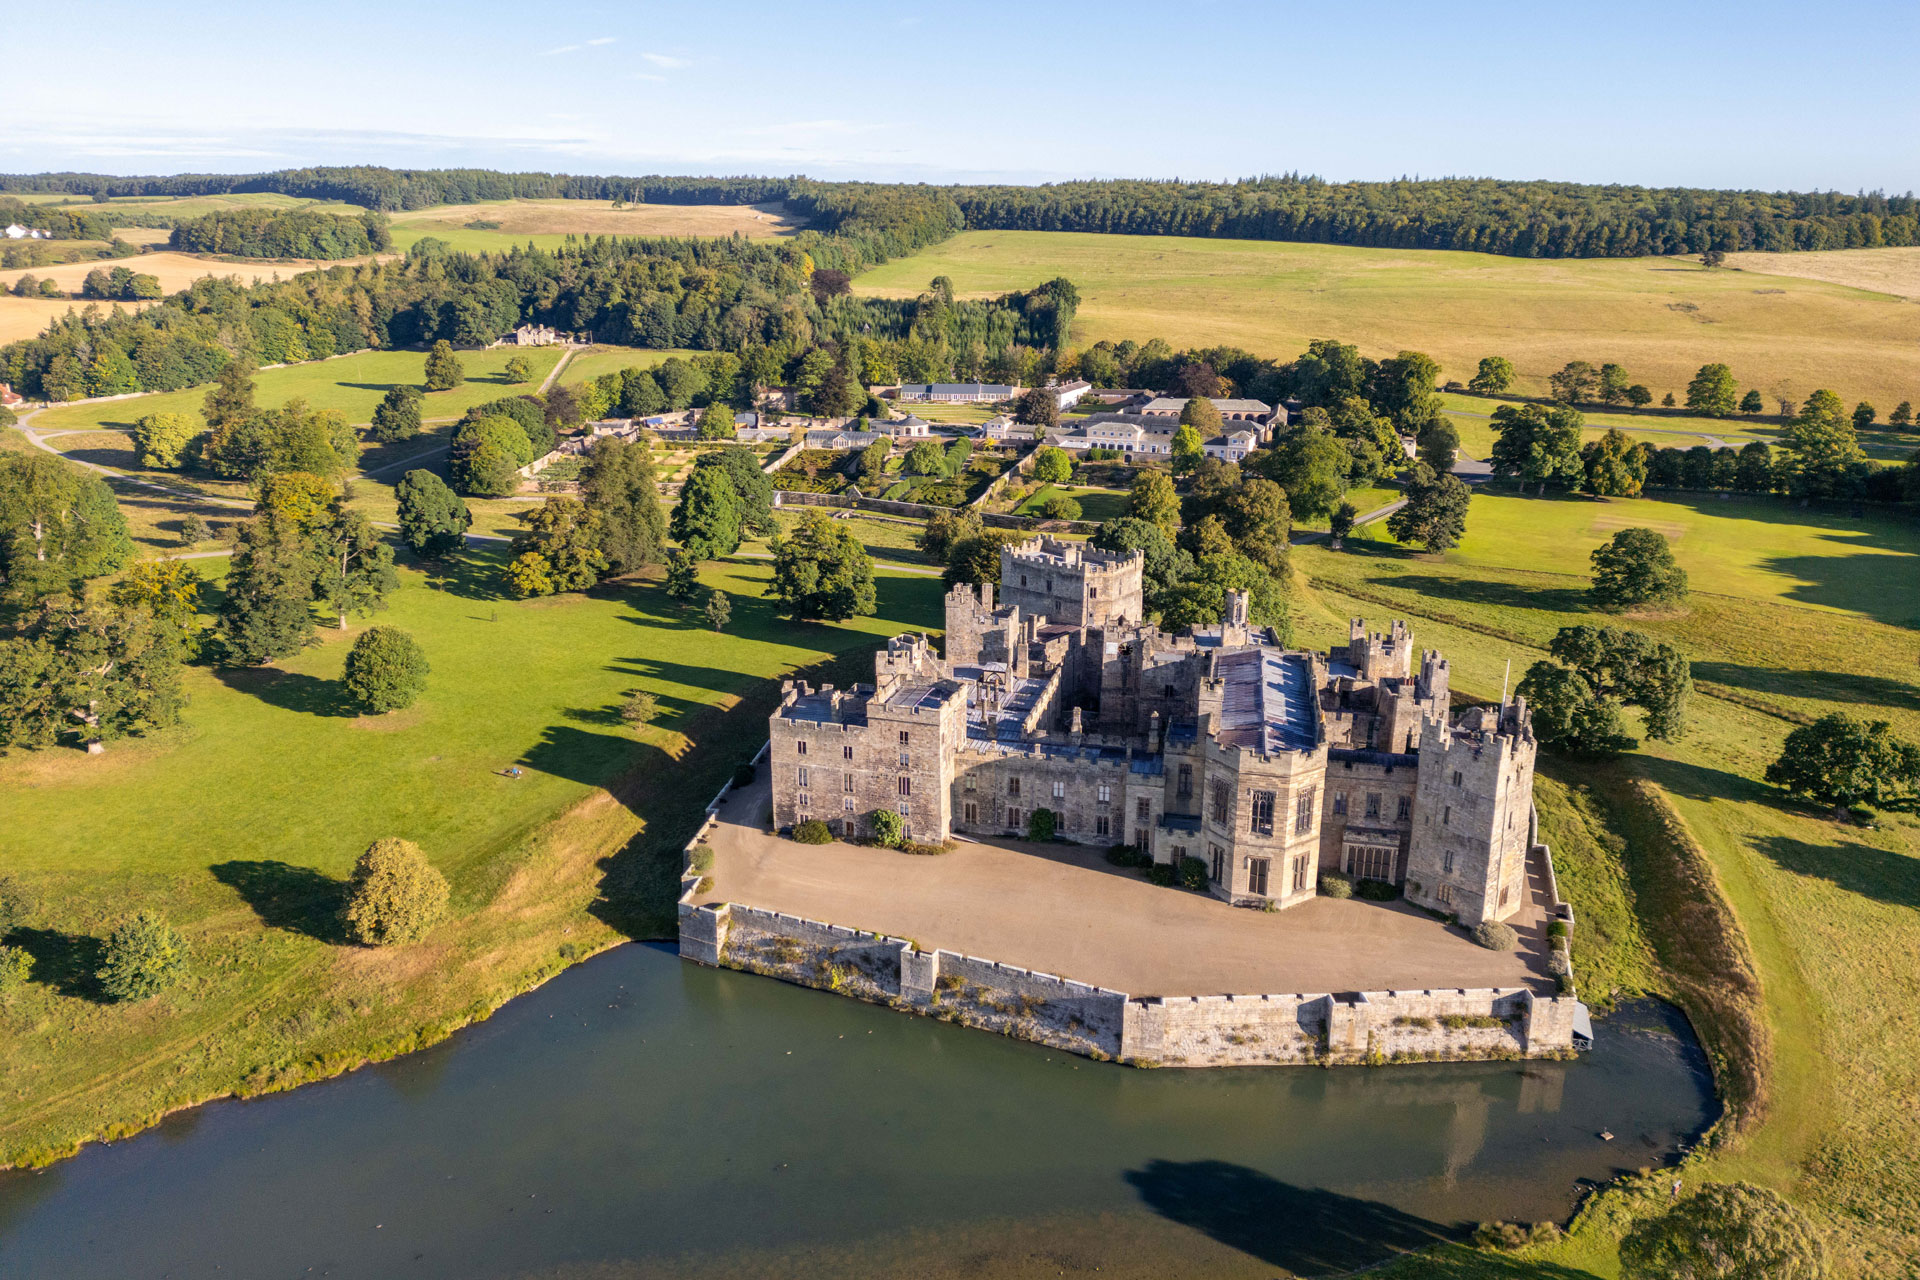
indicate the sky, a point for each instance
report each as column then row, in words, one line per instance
column 1758, row 95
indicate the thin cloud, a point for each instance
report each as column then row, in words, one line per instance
column 603, row 40
column 665, row 62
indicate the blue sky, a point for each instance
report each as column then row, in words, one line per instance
column 1764, row 95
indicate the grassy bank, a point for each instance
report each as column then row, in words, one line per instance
column 250, row 815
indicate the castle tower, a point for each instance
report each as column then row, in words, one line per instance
column 1470, row 814
column 1072, row 584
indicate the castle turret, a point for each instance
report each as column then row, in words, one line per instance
column 1471, row 808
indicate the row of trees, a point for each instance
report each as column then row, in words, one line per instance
column 264, row 232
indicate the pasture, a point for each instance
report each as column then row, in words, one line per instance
column 1895, row 271
column 594, row 362
column 251, row 814
column 548, row 223
column 1660, row 318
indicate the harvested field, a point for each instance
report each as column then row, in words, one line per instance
column 1895, row 271
column 175, row 270
column 27, row 317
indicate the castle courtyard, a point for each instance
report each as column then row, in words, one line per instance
column 1064, row 910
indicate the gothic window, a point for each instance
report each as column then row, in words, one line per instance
column 846, row 784
column 903, row 759
column 904, row 808
column 1059, row 789
column 1403, row 809
column 1102, row 825
column 1257, row 869
column 972, row 812
column 1303, row 813
column 847, row 804
column 1220, row 806
column 903, row 737
column 800, row 776
column 1186, row 781
column 1106, row 793
column 1373, row 804
column 1445, row 895
column 1219, row 856
column 804, row 802
column 968, row 784
column 1013, row 816
column 1339, row 802
column 1013, row 786
column 1143, row 808
column 1262, row 824
column 1299, row 874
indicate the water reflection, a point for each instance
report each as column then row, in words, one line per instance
column 639, row 1116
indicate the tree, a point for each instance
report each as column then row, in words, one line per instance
column 169, row 590
column 355, row 565
column 926, row 459
column 1725, row 1231
column 1568, row 716
column 160, row 440
column 1824, row 447
column 231, row 400
column 683, row 575
column 1038, row 407
column 1402, row 389
column 706, row 520
column 394, row 896
column 444, row 371
column 59, row 526
column 974, row 560
column 1864, row 415
column 1633, row 669
column 872, row 463
column 1439, row 445
column 559, row 550
column 1201, row 599
column 1152, row 499
column 946, row 527
column 1537, row 445
column 1616, row 465
column 716, row 422
column 1751, row 402
column 1635, row 569
column 1188, row 449
column 1902, row 415
column 386, row 670
column 1667, row 401
column 143, row 957
column 1840, row 761
column 889, row 828
column 1711, row 258
column 194, row 530
column 1612, row 385
column 1051, row 465
column 838, row 392
column 397, row 417
column 433, row 519
column 1713, row 392
column 1310, row 463
column 1494, row 376
column 1340, row 524
column 1201, row 414
column 268, row 612
column 719, row 610
column 1165, row 564
column 487, row 454
column 1328, row 372
column 619, row 485
column 1640, row 397
column 1042, row 824
column 519, row 369
column 1574, row 383
column 640, row 709
column 102, row 673
column 1436, row 512
column 821, row 571
column 1257, row 518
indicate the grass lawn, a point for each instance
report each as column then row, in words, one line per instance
column 594, row 361
column 1095, row 504
column 1660, row 318
column 548, row 223
column 250, row 815
column 353, row 384
column 1793, row 615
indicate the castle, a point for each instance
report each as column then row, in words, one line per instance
column 1269, row 765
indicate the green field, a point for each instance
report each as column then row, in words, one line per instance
column 1661, row 318
column 1095, row 504
column 549, row 224
column 250, row 815
column 595, row 362
column 1794, row 614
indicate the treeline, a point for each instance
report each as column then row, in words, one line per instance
column 736, row 295
column 1532, row 219
column 57, row 221
column 283, row 233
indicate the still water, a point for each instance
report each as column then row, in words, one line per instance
column 639, row 1116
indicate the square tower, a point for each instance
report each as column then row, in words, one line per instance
column 1072, row 584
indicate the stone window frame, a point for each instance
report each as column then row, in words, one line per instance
column 1220, row 804
column 1303, row 811
column 846, row 804
column 846, row 752
column 1184, row 782
column 1259, row 876
column 1373, row 804
column 1446, row 863
column 1143, row 809
column 971, row 812
column 1403, row 809
column 1260, row 817
column 1340, row 803
column 1059, row 788
column 799, row 746
column 800, row 776
column 1106, row 793
column 1102, row 825
column 803, row 802
column 906, row 785
column 1013, row 786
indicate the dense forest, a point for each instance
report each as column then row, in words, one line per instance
column 767, row 301
column 283, row 233
column 1520, row 219
column 57, row 221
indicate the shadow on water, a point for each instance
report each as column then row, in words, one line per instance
column 296, row 899
column 1303, row 1230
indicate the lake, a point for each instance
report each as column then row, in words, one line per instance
column 639, row 1115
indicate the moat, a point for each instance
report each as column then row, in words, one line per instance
column 643, row 1116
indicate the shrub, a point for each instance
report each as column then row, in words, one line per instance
column 1564, row 984
column 640, row 709
column 1060, row 507
column 194, row 530
column 1514, row 1235
column 15, row 967
column 1042, row 825
column 1193, row 874
column 812, row 831
column 1335, row 886
column 1558, row 929
column 144, row 957
column 1376, row 890
column 888, row 829
column 395, row 894
column 386, row 670
column 1163, row 874
column 1727, row 1231
column 919, row 850
column 1495, row 936
column 702, row 861
column 743, row 775
column 1558, row 963
column 15, row 905
column 1125, row 855
column 1560, row 943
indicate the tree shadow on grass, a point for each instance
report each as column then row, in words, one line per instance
column 1880, row 874
column 1819, row 686
column 296, row 899
column 477, row 573
column 1503, row 595
column 66, row 962
column 289, row 690
column 1302, row 1230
